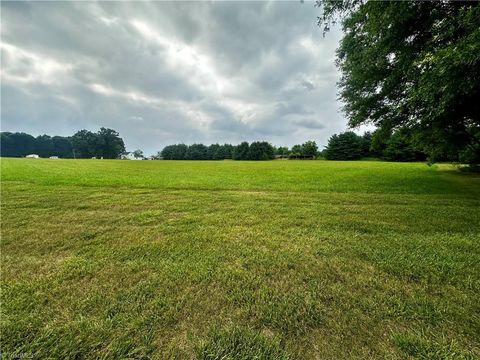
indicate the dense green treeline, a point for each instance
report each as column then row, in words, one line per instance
column 104, row 143
column 21, row 144
column 344, row 146
column 386, row 146
column 258, row 150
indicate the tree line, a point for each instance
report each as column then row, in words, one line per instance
column 257, row 150
column 105, row 143
column 344, row 146
column 387, row 146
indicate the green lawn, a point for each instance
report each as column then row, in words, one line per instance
column 239, row 260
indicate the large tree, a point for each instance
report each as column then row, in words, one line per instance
column 179, row 152
column 345, row 146
column 415, row 66
column 260, row 150
column 174, row 152
column 397, row 148
column 105, row 143
column 215, row 152
column 84, row 144
column 309, row 148
column 197, row 152
column 62, row 146
column 109, row 144
column 44, row 146
column 240, row 152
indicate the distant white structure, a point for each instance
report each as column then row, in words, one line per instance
column 53, row 157
column 130, row 156
column 32, row 156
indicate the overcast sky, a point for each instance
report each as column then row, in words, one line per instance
column 165, row 72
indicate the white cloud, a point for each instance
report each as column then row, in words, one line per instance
column 163, row 72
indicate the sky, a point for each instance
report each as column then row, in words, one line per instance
column 170, row 72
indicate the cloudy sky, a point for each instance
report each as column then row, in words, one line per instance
column 170, row 72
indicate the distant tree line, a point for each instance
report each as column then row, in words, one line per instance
column 307, row 150
column 257, row 150
column 105, row 143
column 20, row 144
column 387, row 146
column 345, row 146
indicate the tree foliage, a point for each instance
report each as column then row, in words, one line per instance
column 398, row 148
column 109, row 144
column 380, row 144
column 105, row 143
column 281, row 150
column 62, row 147
column 197, row 152
column 138, row 154
column 17, row 144
column 256, row 151
column 344, row 146
column 260, row 150
column 415, row 66
column 21, row 144
column 309, row 148
column 296, row 149
column 83, row 144
column 240, row 152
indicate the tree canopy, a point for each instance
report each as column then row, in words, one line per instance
column 415, row 66
column 240, row 152
column 387, row 146
column 17, row 144
column 259, row 150
column 344, row 146
column 21, row 144
column 105, row 143
column 109, row 144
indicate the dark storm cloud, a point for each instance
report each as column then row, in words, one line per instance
column 164, row 72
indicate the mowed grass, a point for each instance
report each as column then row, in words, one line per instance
column 239, row 260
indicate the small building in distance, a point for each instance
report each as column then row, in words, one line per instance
column 53, row 157
column 32, row 156
column 130, row 156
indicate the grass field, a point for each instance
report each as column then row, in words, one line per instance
column 239, row 260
